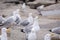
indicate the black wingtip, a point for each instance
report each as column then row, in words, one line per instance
column 50, row 30
column 22, row 31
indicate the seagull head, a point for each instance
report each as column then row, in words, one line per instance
column 3, row 30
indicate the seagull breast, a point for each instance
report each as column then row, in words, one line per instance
column 35, row 25
column 32, row 35
column 3, row 34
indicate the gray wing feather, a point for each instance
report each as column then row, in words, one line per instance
column 27, row 29
column 56, row 30
column 17, row 20
column 25, row 23
column 8, row 22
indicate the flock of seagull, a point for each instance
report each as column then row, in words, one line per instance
column 31, row 25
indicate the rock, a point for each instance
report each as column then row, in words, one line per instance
column 52, row 7
column 37, row 3
column 9, row 0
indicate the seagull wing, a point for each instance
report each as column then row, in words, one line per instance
column 8, row 21
column 56, row 30
column 25, row 23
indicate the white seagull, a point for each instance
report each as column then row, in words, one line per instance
column 40, row 9
column 17, row 16
column 31, row 30
column 32, row 35
column 14, row 18
column 3, row 35
column 35, row 25
column 23, row 6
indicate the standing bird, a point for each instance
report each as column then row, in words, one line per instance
column 14, row 18
column 35, row 25
column 32, row 35
column 28, row 21
column 8, row 21
column 31, row 30
column 23, row 7
column 3, row 34
column 40, row 9
column 55, row 30
column 17, row 16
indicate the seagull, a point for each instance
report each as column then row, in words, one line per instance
column 32, row 35
column 31, row 30
column 35, row 25
column 4, row 22
column 55, row 30
column 14, row 18
column 17, row 16
column 28, row 21
column 23, row 6
column 3, row 35
column 40, row 9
